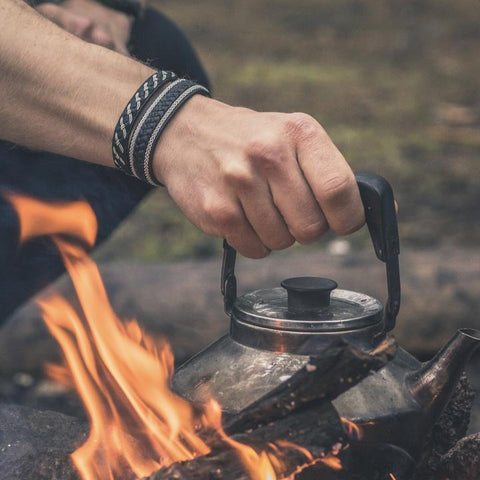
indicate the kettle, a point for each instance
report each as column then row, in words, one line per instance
column 273, row 332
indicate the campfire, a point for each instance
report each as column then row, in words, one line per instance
column 139, row 427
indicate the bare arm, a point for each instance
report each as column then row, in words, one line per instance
column 261, row 180
column 57, row 92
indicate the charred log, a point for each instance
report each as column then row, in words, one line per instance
column 298, row 411
column 321, row 380
column 316, row 429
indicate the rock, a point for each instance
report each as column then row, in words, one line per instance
column 34, row 444
column 462, row 462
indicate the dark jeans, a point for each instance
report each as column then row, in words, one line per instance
column 112, row 195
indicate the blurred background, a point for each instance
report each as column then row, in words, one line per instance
column 396, row 84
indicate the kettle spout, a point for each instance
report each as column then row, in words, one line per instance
column 432, row 385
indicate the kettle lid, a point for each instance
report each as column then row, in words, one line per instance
column 308, row 304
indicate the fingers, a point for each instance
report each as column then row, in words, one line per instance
column 80, row 26
column 312, row 185
column 258, row 206
column 259, row 180
column 71, row 22
column 220, row 214
column 328, row 175
column 291, row 194
column 228, row 220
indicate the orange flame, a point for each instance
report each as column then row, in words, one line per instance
column 392, row 476
column 353, row 431
column 137, row 424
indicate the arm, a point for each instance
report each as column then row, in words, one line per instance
column 57, row 92
column 261, row 180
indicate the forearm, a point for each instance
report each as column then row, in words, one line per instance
column 57, row 92
column 260, row 180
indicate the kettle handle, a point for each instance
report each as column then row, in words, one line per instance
column 381, row 219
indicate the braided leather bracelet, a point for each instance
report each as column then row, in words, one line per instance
column 129, row 116
column 153, row 121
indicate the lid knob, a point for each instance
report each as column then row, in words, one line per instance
column 308, row 294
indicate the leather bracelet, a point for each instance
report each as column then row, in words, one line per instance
column 153, row 121
column 128, row 118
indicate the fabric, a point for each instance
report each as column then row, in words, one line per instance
column 112, row 194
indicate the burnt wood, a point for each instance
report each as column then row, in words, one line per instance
column 35, row 445
column 297, row 411
column 321, row 380
column 316, row 429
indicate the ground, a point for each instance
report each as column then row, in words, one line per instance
column 396, row 84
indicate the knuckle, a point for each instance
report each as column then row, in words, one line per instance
column 237, row 176
column 266, row 154
column 221, row 214
column 99, row 37
column 336, row 188
column 303, row 126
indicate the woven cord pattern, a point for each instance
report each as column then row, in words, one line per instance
column 153, row 121
column 129, row 116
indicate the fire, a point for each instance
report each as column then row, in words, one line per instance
column 137, row 424
column 392, row 476
column 353, row 431
column 258, row 465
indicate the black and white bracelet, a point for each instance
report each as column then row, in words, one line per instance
column 130, row 113
column 143, row 121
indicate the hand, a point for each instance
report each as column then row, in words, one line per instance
column 92, row 22
column 260, row 180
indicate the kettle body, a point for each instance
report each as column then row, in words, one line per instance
column 275, row 331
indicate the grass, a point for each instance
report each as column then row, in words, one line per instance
column 395, row 83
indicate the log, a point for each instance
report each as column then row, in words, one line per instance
column 322, row 379
column 34, row 445
column 317, row 429
column 297, row 411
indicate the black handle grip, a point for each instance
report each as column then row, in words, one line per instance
column 381, row 219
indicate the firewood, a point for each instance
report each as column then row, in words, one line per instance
column 298, row 411
column 322, row 379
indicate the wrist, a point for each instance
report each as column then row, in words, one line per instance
column 193, row 124
column 144, row 120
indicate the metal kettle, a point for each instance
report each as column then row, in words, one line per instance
column 274, row 331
